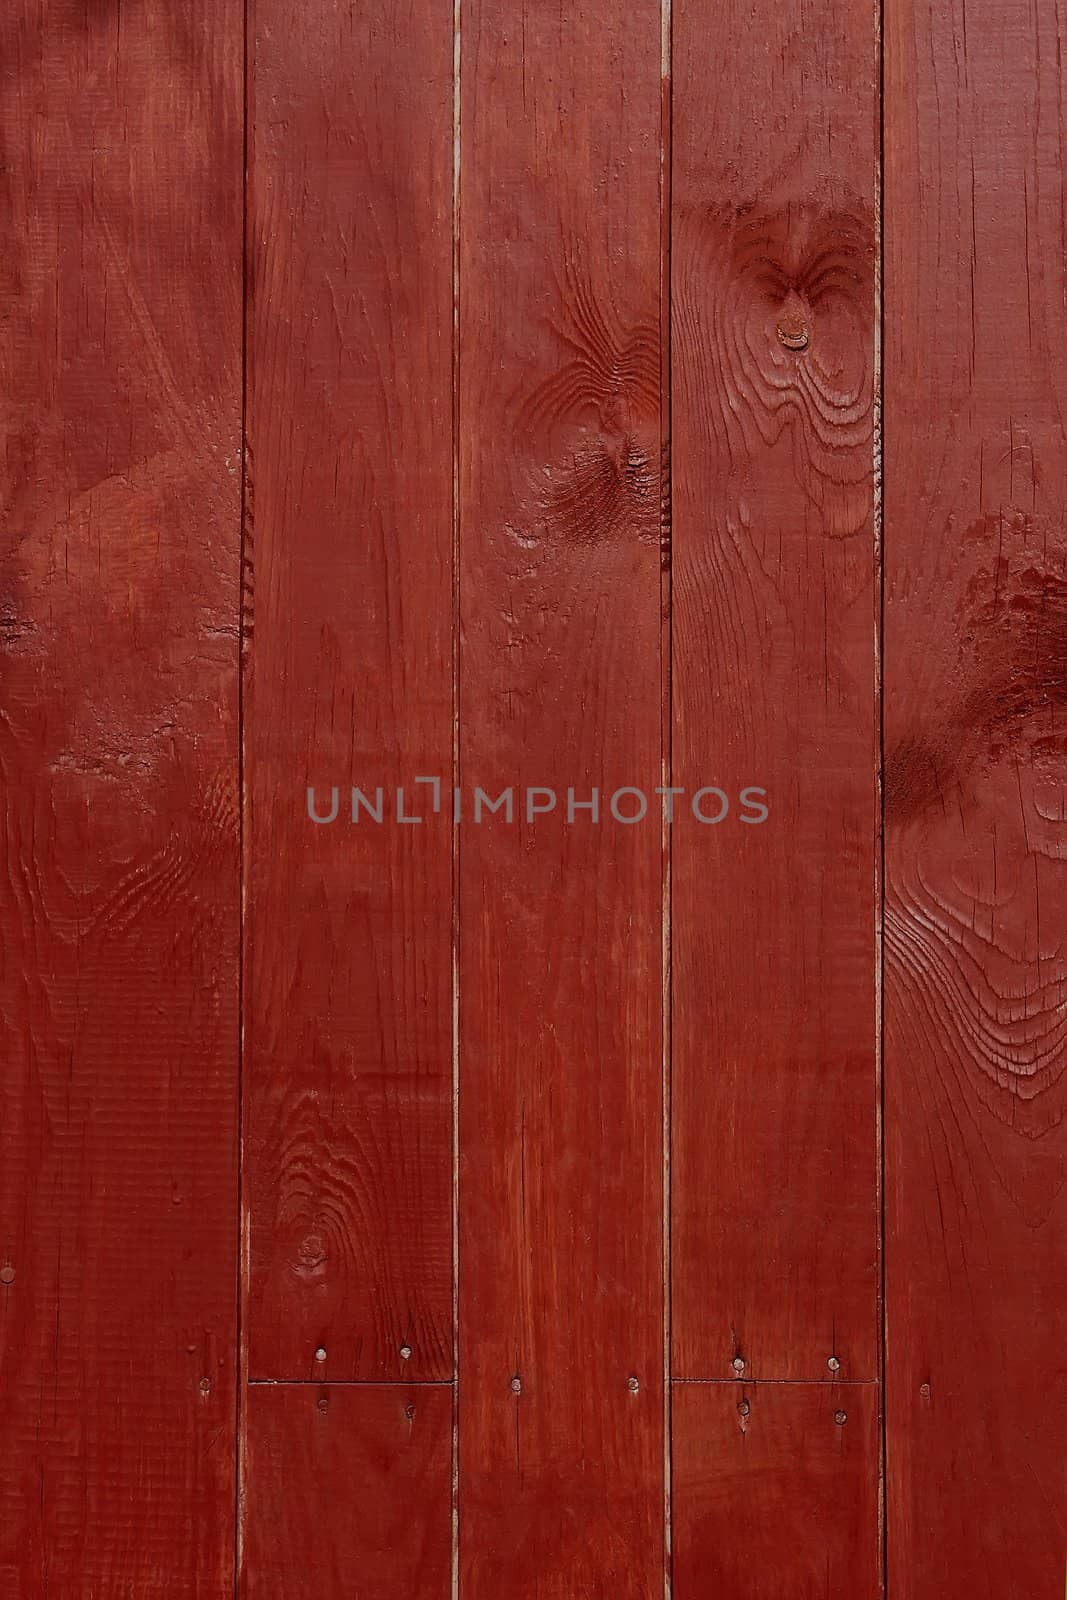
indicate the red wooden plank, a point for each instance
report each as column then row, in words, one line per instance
column 561, row 1292
column 774, row 1165
column 976, row 764
column 776, row 1491
column 349, row 1492
column 120, row 337
column 348, row 980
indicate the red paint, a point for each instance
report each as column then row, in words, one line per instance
column 775, row 1182
column 461, row 561
column 349, row 1491
column 776, row 1491
column 561, row 1268
column 348, row 1020
column 120, row 305
column 976, row 880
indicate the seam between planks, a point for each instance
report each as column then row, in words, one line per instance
column 349, row 1383
column 784, row 1383
column 879, row 894
column 239, row 1332
column 454, row 1510
column 666, row 743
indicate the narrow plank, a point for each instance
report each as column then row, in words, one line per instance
column 776, row 1491
column 561, row 1277
column 774, row 1163
column 120, row 340
column 976, row 766
column 348, row 1492
column 348, row 1157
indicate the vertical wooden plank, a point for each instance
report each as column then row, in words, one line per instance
column 775, row 1193
column 976, row 766
column 120, row 337
column 560, row 1311
column 351, row 1491
column 776, row 1491
column 348, row 1155
column 561, row 1291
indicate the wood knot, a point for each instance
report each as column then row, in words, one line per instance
column 793, row 335
column 792, row 322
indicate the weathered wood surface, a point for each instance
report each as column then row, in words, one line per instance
column 348, row 1492
column 776, row 1492
column 641, row 258
column 976, row 768
column 348, row 1021
column 120, row 342
column 775, row 1099
column 560, row 1180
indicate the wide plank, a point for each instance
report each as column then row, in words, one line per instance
column 348, row 970
column 561, row 1125
column 976, row 776
column 120, row 349
column 773, row 672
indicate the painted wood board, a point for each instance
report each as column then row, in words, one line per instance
column 561, row 1292
column 773, row 673
column 348, row 924
column 976, row 765
column 120, row 351
column 348, row 1491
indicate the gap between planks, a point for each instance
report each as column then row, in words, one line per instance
column 878, row 530
column 457, row 114
column 666, row 750
column 243, row 1235
column 787, row 1383
column 350, row 1383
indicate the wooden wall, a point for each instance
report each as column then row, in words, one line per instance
column 590, row 398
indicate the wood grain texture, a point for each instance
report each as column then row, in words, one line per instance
column 774, row 1164
column 561, row 1273
column 120, row 340
column 348, row 1492
column 976, row 769
column 775, row 1491
column 348, row 956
